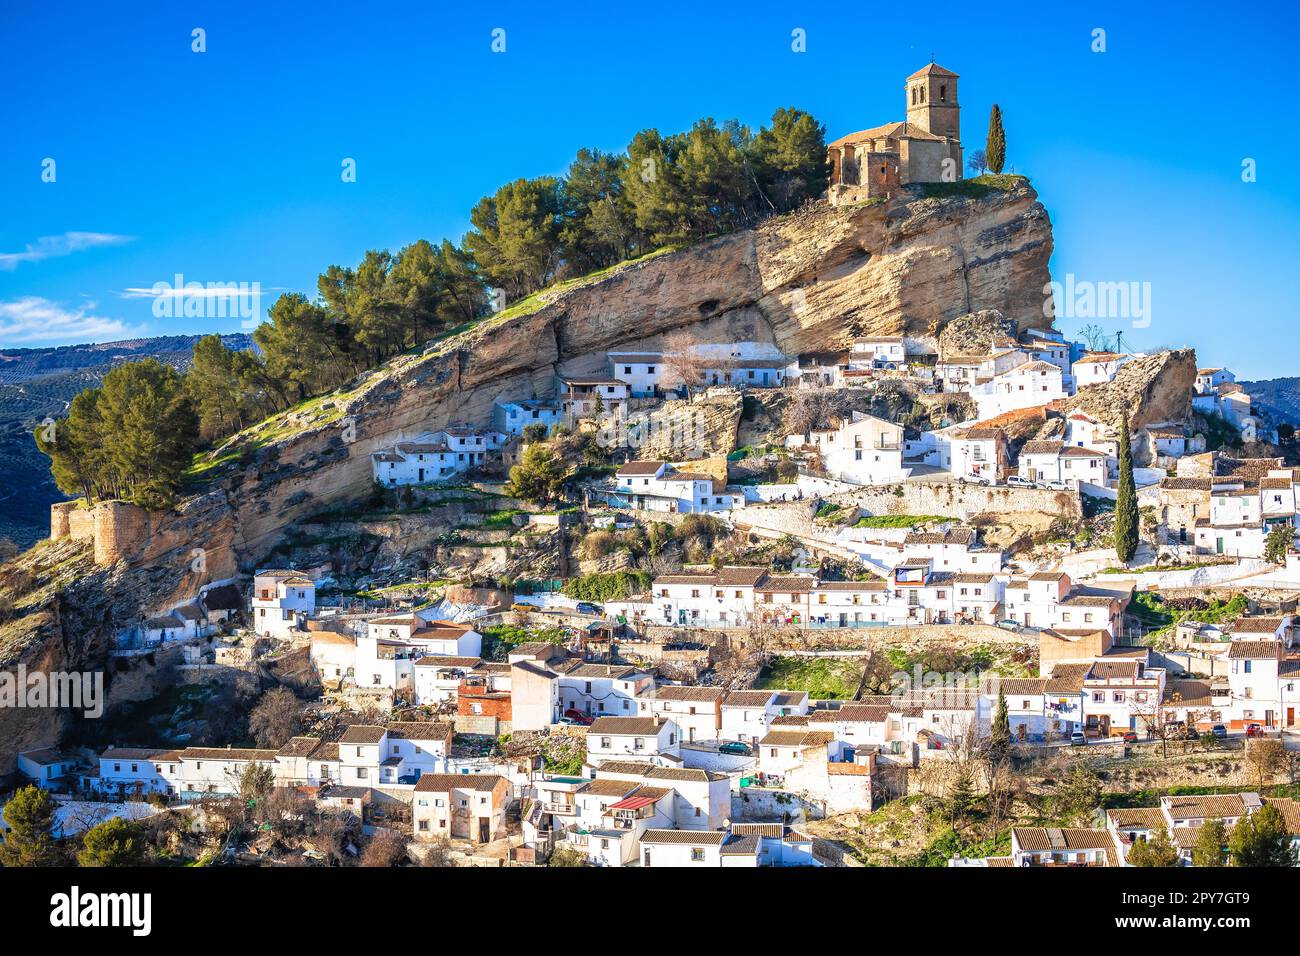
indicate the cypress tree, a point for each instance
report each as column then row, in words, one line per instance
column 995, row 152
column 1000, row 732
column 1126, row 509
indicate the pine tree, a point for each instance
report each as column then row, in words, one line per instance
column 1157, row 851
column 1210, row 841
column 115, row 842
column 1261, row 839
column 995, row 153
column 961, row 796
column 30, row 840
column 1125, row 535
column 538, row 475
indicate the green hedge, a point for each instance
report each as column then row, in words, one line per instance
column 608, row 587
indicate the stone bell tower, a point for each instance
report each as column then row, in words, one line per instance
column 932, row 101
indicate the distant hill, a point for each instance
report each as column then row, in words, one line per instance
column 35, row 383
column 1279, row 398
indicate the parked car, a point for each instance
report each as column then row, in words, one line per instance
column 1254, row 730
column 586, row 607
column 1008, row 625
column 735, row 748
column 1189, row 733
column 570, row 722
column 1015, row 481
column 578, row 717
column 523, row 607
column 1130, row 736
column 1077, row 739
column 1054, row 484
column 1219, row 731
column 974, row 480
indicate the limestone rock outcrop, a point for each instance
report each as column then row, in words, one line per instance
column 974, row 333
column 1151, row 388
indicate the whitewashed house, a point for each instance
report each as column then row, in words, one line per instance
column 643, row 372
column 1053, row 461
column 387, row 653
column 697, row 711
column 848, row 604
column 660, row 486
column 1097, row 368
column 1048, row 600
column 862, row 450
column 1121, row 695
column 601, row 689
column 583, row 397
column 701, row 798
column 512, row 417
column 1048, row 345
column 435, row 456
column 1235, row 525
column 1208, row 380
column 1168, row 439
column 742, row 364
column 48, row 767
column 747, row 715
column 282, row 601
column 437, row 677
column 882, row 351
column 653, row 739
column 1025, row 386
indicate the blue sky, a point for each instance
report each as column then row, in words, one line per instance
column 225, row 166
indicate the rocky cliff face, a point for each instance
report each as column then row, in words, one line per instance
column 813, row 280
column 808, row 281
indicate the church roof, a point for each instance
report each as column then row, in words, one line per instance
column 932, row 69
column 902, row 130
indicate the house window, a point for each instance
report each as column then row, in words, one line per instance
column 697, row 855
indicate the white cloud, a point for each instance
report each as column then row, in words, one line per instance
column 49, row 247
column 189, row 292
column 33, row 319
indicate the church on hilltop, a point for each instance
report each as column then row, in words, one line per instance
column 924, row 148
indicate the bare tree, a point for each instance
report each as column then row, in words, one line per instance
column 1098, row 339
column 1266, row 757
column 1157, row 719
column 681, row 354
column 436, row 853
column 384, row 849
column 276, row 718
column 806, row 411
